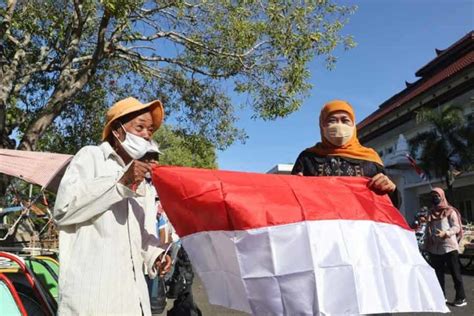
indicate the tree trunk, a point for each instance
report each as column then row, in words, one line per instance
column 34, row 132
column 7, row 78
column 68, row 86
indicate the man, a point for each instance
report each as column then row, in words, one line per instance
column 105, row 235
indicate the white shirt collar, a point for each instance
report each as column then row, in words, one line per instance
column 109, row 151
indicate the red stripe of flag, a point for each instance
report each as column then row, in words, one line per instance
column 207, row 200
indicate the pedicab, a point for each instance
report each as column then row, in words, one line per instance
column 28, row 270
column 11, row 302
column 35, row 297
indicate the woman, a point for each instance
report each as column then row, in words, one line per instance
column 444, row 225
column 340, row 153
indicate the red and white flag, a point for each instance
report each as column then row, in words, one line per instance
column 288, row 245
column 420, row 172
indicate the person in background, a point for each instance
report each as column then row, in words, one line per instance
column 340, row 154
column 180, row 287
column 157, row 286
column 164, row 229
column 441, row 242
column 177, row 283
column 419, row 226
column 102, row 210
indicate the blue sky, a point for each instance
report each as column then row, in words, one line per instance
column 394, row 39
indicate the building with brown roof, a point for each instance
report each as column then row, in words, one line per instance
column 448, row 79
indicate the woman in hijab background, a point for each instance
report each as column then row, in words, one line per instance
column 339, row 153
column 443, row 229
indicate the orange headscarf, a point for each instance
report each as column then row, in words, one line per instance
column 352, row 149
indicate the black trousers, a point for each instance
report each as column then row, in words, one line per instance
column 451, row 259
column 180, row 287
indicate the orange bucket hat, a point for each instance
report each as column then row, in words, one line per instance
column 130, row 105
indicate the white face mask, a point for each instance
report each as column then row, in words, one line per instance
column 338, row 134
column 137, row 146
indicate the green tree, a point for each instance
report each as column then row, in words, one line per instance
column 62, row 62
column 61, row 57
column 447, row 148
column 180, row 149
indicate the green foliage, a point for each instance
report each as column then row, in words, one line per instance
column 64, row 61
column 448, row 146
column 180, row 149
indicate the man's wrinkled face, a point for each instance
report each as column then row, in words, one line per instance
column 140, row 125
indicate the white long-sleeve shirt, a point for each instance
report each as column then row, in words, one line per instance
column 106, row 236
column 442, row 245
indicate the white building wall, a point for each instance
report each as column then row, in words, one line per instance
column 410, row 185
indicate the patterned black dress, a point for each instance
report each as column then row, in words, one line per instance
column 310, row 164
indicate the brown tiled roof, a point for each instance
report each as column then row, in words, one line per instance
column 428, row 82
column 443, row 56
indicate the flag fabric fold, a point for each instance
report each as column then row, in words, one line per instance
column 289, row 245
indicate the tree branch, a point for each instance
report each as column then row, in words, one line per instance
column 130, row 55
column 76, row 33
column 116, row 34
column 82, row 59
column 189, row 43
column 7, row 19
column 27, row 72
column 100, row 46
